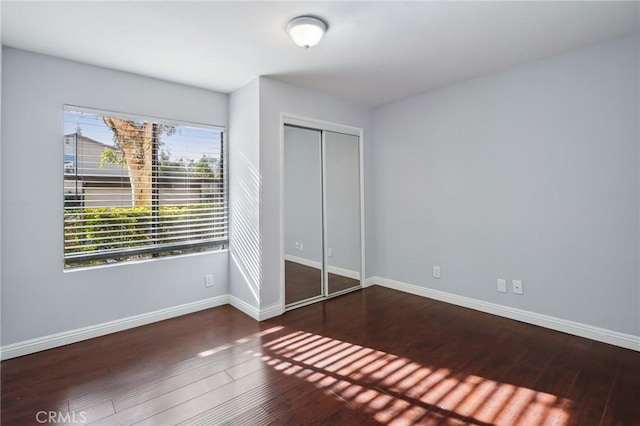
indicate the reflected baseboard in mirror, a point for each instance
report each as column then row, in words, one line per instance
column 302, row 282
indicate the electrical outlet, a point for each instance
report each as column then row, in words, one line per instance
column 208, row 280
column 301, row 247
column 329, row 252
column 502, row 285
column 297, row 245
column 436, row 272
column 517, row 286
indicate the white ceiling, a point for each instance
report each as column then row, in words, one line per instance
column 373, row 53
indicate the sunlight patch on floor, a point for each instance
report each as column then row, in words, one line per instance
column 250, row 337
column 397, row 390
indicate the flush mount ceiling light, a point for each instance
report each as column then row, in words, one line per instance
column 306, row 31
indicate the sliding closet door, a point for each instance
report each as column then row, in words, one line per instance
column 302, row 214
column 342, row 221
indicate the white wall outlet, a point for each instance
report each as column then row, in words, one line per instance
column 329, row 252
column 502, row 285
column 517, row 286
column 297, row 245
column 301, row 247
column 208, row 280
column 436, row 272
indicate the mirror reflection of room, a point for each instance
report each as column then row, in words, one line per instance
column 342, row 233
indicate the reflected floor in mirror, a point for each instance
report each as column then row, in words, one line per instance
column 374, row 356
column 304, row 282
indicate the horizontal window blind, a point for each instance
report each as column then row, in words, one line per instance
column 140, row 188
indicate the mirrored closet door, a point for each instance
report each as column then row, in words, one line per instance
column 342, row 211
column 322, row 214
column 302, row 214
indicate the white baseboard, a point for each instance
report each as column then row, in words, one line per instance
column 344, row 272
column 318, row 265
column 65, row 338
column 303, row 261
column 628, row 341
column 270, row 312
column 369, row 282
column 243, row 306
column 60, row 339
column 255, row 313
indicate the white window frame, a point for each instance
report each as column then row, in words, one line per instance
column 75, row 262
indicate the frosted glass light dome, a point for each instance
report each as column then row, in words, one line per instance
column 306, row 31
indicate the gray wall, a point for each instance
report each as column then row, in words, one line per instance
column 245, row 263
column 277, row 98
column 531, row 173
column 38, row 298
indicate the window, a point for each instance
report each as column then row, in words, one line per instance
column 140, row 188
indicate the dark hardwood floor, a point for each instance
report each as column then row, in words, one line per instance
column 375, row 356
column 304, row 282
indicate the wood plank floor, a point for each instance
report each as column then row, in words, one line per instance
column 374, row 356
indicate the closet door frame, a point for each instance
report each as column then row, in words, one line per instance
column 323, row 126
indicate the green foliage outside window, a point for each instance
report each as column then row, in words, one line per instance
column 90, row 229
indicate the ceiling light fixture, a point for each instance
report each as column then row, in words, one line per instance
column 306, row 31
